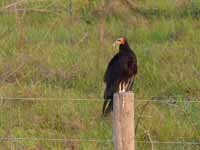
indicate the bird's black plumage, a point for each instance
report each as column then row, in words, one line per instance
column 120, row 72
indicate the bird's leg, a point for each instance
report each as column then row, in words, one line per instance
column 120, row 87
column 122, row 90
column 123, row 86
column 128, row 84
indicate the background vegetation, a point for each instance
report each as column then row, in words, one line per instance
column 60, row 49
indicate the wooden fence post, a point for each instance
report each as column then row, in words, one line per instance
column 123, row 121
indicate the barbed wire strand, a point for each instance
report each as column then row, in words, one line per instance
column 91, row 99
column 170, row 142
column 53, row 139
column 96, row 140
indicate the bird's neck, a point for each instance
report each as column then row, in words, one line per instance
column 124, row 47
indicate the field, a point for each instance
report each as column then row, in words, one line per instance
column 57, row 52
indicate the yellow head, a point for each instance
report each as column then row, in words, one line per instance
column 120, row 41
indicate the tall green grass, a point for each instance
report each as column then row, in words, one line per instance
column 61, row 57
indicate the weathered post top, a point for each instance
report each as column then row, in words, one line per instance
column 123, row 121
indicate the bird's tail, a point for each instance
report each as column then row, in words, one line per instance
column 107, row 108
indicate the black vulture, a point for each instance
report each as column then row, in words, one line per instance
column 120, row 73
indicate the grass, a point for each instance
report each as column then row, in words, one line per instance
column 60, row 56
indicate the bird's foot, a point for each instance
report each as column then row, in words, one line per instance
column 122, row 87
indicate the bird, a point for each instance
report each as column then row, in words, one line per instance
column 120, row 73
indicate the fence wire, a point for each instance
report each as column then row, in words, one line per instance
column 93, row 140
column 54, row 139
column 189, row 100
column 96, row 140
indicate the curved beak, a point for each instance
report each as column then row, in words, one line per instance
column 115, row 43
